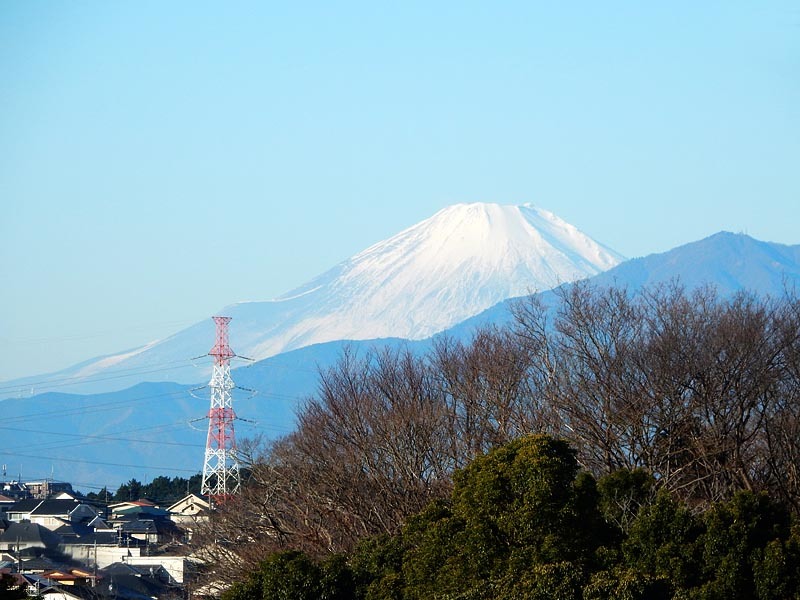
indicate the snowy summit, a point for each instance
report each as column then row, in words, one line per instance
column 439, row 272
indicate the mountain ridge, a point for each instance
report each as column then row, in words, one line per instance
column 730, row 261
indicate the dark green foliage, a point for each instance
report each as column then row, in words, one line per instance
column 623, row 493
column 290, row 575
column 518, row 514
column 622, row 583
column 549, row 581
column 741, row 549
column 434, row 543
column 104, row 495
column 169, row 489
column 776, row 570
column 662, row 542
column 249, row 589
column 294, row 576
column 745, row 554
column 165, row 490
column 377, row 567
column 337, row 579
column 525, row 495
column 127, row 492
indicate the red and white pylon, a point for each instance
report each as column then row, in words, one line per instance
column 221, row 477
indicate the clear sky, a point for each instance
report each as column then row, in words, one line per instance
column 160, row 160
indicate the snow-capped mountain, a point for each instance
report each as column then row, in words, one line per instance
column 437, row 273
column 462, row 260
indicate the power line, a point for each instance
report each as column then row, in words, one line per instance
column 77, row 379
column 101, row 407
column 108, row 375
column 107, row 464
column 93, row 439
column 111, row 405
column 103, row 437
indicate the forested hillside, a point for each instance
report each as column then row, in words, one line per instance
column 683, row 406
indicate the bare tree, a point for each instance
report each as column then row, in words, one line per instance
column 700, row 390
column 489, row 390
column 782, row 428
column 696, row 388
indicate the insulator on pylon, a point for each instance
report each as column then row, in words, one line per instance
column 221, row 477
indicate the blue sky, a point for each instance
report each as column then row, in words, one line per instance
column 159, row 161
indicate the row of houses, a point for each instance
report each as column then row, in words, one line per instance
column 42, row 489
column 64, row 546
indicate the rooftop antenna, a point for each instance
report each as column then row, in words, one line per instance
column 221, row 477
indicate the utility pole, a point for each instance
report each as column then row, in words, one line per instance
column 221, row 477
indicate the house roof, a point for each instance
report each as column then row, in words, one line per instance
column 132, row 582
column 64, row 495
column 147, row 525
column 133, row 587
column 120, row 568
column 24, row 506
column 72, row 530
column 39, row 563
column 139, row 526
column 98, row 523
column 101, row 538
column 136, row 509
column 33, row 579
column 30, row 533
column 55, row 507
column 188, row 500
column 62, row 575
column 140, row 502
column 84, row 533
column 78, row 592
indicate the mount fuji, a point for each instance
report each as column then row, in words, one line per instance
column 427, row 278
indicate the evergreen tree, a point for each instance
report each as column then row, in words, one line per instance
column 519, row 514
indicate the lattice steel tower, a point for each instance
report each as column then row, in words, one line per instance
column 221, row 476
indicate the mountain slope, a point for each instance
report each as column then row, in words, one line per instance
column 464, row 259
column 728, row 261
column 731, row 261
